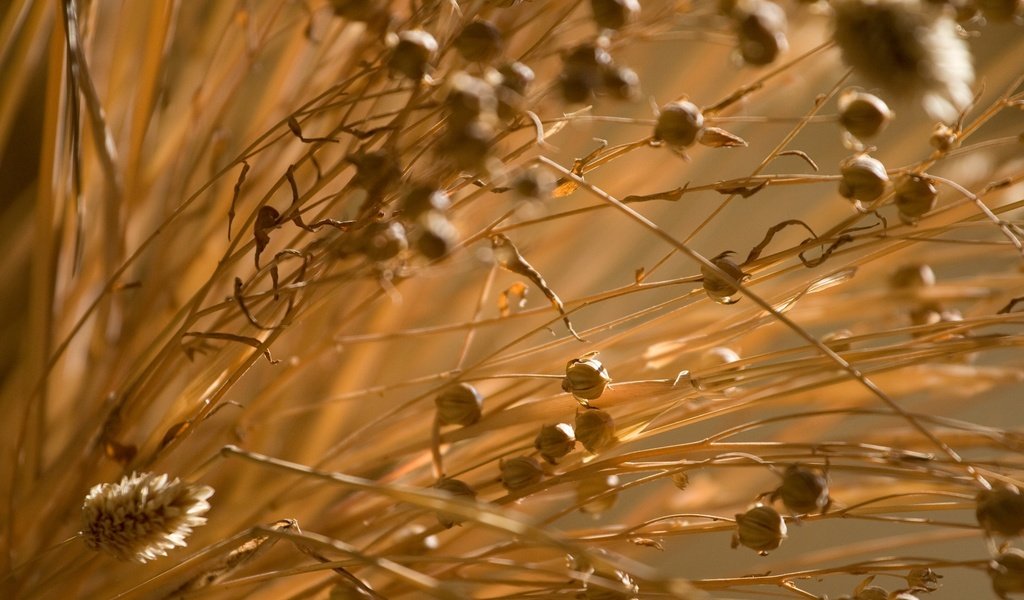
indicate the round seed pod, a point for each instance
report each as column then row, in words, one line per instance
column 803, row 490
column 717, row 288
column 761, row 528
column 761, row 31
column 468, row 147
column 585, row 378
column 596, row 486
column 712, row 359
column 1007, row 572
column 459, row 404
column 469, row 99
column 555, row 441
column 622, row 83
column 384, row 241
column 437, row 236
column 412, row 54
column 863, row 115
column 923, row 579
column 458, row 489
column 376, row 171
column 679, row 124
column 582, row 75
column 944, row 138
column 915, row 197
column 479, row 41
column 1001, row 510
column 863, row 178
column 421, row 199
column 516, row 76
column 614, row 14
column 595, row 429
column 533, row 184
column 912, row 276
column 520, row 472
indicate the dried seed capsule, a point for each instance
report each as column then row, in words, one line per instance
column 520, row 472
column 803, row 490
column 1007, row 572
column 412, row 54
column 871, row 592
column 583, row 72
column 595, row 429
column 597, row 486
column 479, row 41
column 761, row 528
column 614, row 14
column 458, row 489
column 679, row 123
column 912, row 276
column 717, row 288
column 437, row 236
column 761, row 30
column 533, row 184
column 915, row 196
column 468, row 147
column 421, row 199
column 555, row 441
column 384, row 241
column 622, row 83
column 376, row 171
column 516, row 76
column 944, row 138
column 459, row 404
column 1001, row 510
column 585, row 378
column 469, row 99
column 863, row 178
column 863, row 115
column 923, row 579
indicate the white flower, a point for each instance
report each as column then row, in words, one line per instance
column 143, row 516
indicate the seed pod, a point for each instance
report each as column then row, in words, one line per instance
column 717, row 288
column 533, row 184
column 585, row 378
column 872, row 592
column 944, row 138
column 468, row 147
column 459, row 404
column 458, row 489
column 583, row 75
column 863, row 178
column 469, row 99
column 384, row 241
column 761, row 528
column 555, row 441
column 437, row 236
column 516, row 76
column 614, row 14
column 511, row 83
column 912, row 276
column 421, row 199
column 1001, row 510
column 915, row 197
column 413, row 54
column 679, row 123
column 863, row 115
column 595, row 429
column 622, row 83
column 479, row 41
column 376, row 171
column 803, row 490
column 1007, row 572
column 520, row 472
column 597, row 486
column 923, row 579
column 761, row 31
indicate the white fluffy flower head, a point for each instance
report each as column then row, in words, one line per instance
column 143, row 516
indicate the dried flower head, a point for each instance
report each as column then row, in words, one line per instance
column 143, row 516
column 761, row 528
column 910, row 49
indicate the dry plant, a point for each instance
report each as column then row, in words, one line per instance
column 503, row 299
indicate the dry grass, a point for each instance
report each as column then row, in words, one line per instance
column 146, row 328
